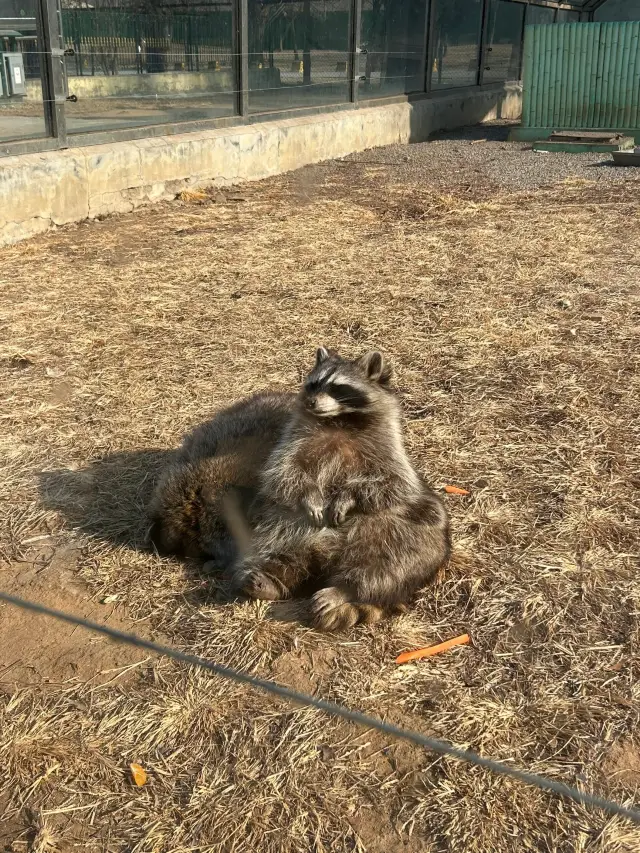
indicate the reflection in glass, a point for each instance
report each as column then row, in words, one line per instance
column 137, row 62
column 540, row 15
column 393, row 36
column 21, row 102
column 504, row 41
column 618, row 10
column 566, row 16
column 298, row 54
column 456, row 43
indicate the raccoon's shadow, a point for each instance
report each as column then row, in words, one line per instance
column 106, row 499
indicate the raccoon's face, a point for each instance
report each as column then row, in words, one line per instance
column 337, row 387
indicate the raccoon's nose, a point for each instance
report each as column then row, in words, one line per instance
column 312, row 402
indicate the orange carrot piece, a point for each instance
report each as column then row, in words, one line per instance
column 428, row 651
column 138, row 774
column 456, row 490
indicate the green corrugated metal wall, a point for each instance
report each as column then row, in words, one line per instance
column 582, row 76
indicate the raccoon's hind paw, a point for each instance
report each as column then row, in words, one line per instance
column 332, row 611
column 258, row 585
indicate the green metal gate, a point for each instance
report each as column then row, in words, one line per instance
column 581, row 76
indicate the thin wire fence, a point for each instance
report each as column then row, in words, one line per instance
column 432, row 744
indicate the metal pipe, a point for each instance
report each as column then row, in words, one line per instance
column 355, row 24
column 49, row 29
column 240, row 12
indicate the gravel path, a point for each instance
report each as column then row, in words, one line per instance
column 483, row 158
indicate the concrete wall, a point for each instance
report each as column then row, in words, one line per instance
column 38, row 191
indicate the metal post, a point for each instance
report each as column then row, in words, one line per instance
column 483, row 41
column 188, row 47
column 429, row 44
column 355, row 23
column 49, row 29
column 306, row 46
column 241, row 55
column 524, row 26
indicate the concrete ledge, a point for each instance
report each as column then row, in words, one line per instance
column 38, row 191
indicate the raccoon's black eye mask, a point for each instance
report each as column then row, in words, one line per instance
column 347, row 395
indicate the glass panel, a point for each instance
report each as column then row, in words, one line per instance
column 504, row 41
column 567, row 17
column 456, row 43
column 21, row 103
column 540, row 15
column 298, row 54
column 618, row 10
column 138, row 64
column 393, row 35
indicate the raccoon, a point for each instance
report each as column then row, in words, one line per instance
column 343, row 509
column 226, row 452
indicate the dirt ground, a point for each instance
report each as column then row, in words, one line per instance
column 504, row 287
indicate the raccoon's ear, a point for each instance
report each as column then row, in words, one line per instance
column 375, row 367
column 322, row 354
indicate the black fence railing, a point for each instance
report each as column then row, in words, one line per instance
column 114, row 67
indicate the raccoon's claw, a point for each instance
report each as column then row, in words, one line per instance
column 314, row 507
column 326, row 599
column 331, row 610
column 340, row 509
column 261, row 586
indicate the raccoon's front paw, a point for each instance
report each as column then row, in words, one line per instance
column 258, row 585
column 313, row 505
column 340, row 509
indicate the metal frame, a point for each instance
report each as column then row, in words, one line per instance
column 524, row 24
column 240, row 45
column 430, row 24
column 567, row 5
column 483, row 41
column 50, row 39
column 353, row 64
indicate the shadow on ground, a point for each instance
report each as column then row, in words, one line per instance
column 108, row 498
column 475, row 133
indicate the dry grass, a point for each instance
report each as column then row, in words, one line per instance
column 513, row 323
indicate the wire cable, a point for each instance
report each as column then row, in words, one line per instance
column 434, row 745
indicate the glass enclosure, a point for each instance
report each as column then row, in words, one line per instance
column 394, row 37
column 540, row 15
column 566, row 16
column 504, row 41
column 21, row 99
column 298, row 54
column 135, row 64
column 456, row 43
column 618, row 10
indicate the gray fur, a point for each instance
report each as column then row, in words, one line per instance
column 341, row 506
column 186, row 513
